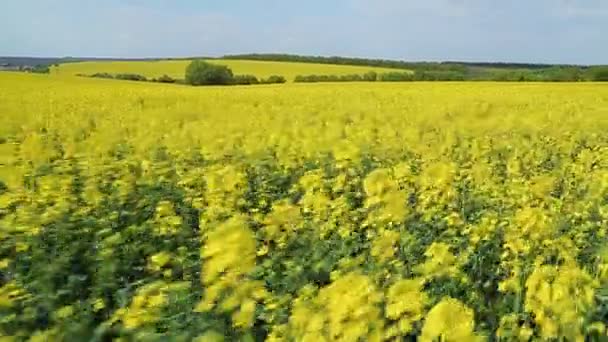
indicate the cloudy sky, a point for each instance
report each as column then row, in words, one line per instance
column 562, row 31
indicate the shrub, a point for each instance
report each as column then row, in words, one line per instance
column 318, row 78
column 274, row 79
column 351, row 78
column 200, row 72
column 165, row 79
column 245, row 80
column 439, row 75
column 41, row 69
column 305, row 79
column 599, row 74
column 395, row 76
column 371, row 76
column 130, row 77
column 368, row 77
column 102, row 75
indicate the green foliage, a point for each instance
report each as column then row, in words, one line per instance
column 427, row 75
column 102, row 75
column 200, row 72
column 370, row 76
column 41, row 69
column 395, row 77
column 131, row 77
column 273, row 79
column 441, row 71
column 245, row 80
column 165, row 79
column 335, row 78
column 599, row 74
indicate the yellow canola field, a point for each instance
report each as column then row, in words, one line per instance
column 317, row 212
column 176, row 69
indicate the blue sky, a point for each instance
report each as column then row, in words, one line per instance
column 562, row 31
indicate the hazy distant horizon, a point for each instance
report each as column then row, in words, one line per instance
column 113, row 58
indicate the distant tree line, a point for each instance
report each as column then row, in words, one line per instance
column 387, row 63
column 37, row 69
column 131, row 77
column 367, row 77
column 204, row 73
column 553, row 74
column 393, row 76
column 384, row 63
column 444, row 71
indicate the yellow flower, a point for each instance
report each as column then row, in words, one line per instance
column 449, row 320
column 282, row 223
column 99, row 304
column 440, row 261
column 559, row 297
column 147, row 303
column 378, row 182
column 383, row 246
column 159, row 260
column 210, row 336
column 352, row 304
column 229, row 256
column 405, row 303
column 10, row 293
column 64, row 312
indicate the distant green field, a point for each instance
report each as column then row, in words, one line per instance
column 176, row 69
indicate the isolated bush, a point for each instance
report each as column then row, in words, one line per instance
column 41, row 69
column 165, row 79
column 102, row 75
column 130, row 77
column 200, row 72
column 274, row 79
column 245, row 80
column 371, row 76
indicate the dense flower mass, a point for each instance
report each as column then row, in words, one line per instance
column 452, row 212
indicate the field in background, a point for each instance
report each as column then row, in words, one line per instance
column 176, row 69
column 302, row 212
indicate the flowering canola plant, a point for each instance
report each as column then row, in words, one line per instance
column 350, row 212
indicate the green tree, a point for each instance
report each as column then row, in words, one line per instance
column 200, row 72
column 599, row 74
column 274, row 79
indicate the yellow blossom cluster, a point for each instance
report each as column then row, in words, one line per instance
column 349, row 212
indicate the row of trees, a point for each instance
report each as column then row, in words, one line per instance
column 200, row 72
column 336, row 60
column 367, row 77
column 133, row 77
column 448, row 71
column 553, row 74
column 394, row 76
